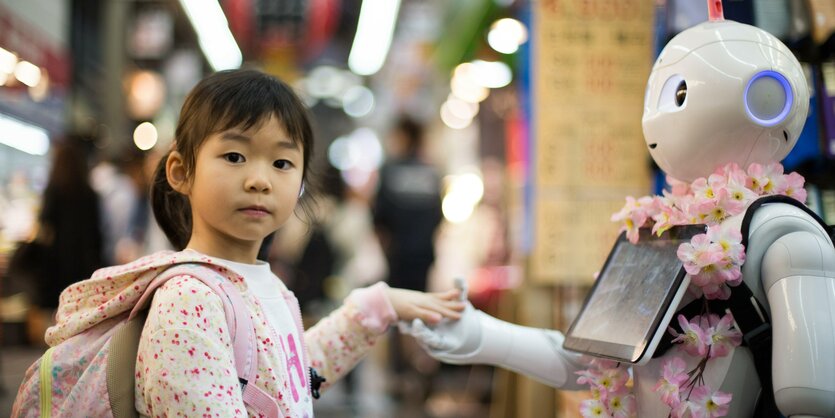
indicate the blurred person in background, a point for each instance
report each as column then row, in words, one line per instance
column 69, row 231
column 406, row 212
column 304, row 257
column 407, row 208
column 142, row 234
column 360, row 260
column 119, row 196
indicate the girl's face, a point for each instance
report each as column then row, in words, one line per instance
column 245, row 186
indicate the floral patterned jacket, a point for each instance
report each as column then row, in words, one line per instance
column 185, row 366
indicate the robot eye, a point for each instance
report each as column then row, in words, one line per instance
column 768, row 98
column 673, row 97
column 681, row 93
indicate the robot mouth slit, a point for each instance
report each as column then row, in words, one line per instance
column 653, row 145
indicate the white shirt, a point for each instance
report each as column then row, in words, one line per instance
column 267, row 289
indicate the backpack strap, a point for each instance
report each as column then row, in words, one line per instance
column 240, row 327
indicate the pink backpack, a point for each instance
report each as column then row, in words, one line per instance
column 92, row 373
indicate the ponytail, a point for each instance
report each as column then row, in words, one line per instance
column 171, row 208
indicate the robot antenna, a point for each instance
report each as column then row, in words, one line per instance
column 714, row 10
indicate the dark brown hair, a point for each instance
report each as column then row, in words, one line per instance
column 222, row 101
column 412, row 132
column 70, row 172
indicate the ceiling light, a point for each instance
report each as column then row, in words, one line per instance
column 358, row 101
column 506, row 35
column 492, row 74
column 23, row 136
column 145, row 136
column 375, row 29
column 8, row 61
column 213, row 34
column 452, row 120
column 27, row 73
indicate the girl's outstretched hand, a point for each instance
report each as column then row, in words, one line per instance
column 429, row 307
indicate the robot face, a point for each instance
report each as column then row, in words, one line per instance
column 723, row 92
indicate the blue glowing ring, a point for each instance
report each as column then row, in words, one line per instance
column 786, row 107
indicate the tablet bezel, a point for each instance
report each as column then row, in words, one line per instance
column 641, row 353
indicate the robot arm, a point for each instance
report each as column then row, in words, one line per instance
column 478, row 338
column 798, row 276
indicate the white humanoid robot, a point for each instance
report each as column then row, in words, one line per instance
column 720, row 92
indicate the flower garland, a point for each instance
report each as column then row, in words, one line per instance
column 714, row 261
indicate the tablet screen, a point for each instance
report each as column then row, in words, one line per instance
column 631, row 295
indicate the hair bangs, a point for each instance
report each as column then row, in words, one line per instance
column 252, row 101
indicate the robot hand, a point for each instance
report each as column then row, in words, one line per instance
column 478, row 338
column 444, row 340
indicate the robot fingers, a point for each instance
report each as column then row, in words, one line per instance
column 461, row 285
column 426, row 336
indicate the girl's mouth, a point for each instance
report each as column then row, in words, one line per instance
column 255, row 211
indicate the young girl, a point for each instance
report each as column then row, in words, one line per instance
column 235, row 175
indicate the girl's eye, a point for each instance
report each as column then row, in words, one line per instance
column 282, row 164
column 233, row 157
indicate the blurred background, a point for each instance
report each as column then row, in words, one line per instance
column 483, row 139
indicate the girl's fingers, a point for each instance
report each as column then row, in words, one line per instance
column 448, row 309
column 449, row 313
column 451, row 294
column 427, row 315
column 454, row 305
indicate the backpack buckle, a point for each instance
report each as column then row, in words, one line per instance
column 315, row 383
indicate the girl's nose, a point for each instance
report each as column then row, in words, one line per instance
column 257, row 181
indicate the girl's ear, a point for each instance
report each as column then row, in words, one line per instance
column 175, row 171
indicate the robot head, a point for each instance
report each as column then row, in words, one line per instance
column 723, row 92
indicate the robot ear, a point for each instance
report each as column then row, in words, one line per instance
column 301, row 190
column 768, row 98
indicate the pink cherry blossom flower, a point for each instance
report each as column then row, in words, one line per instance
column 699, row 208
column 718, row 273
column 594, row 408
column 622, row 404
column 682, row 410
column 699, row 253
column 794, row 187
column 612, row 379
column 691, row 209
column 667, row 215
column 590, row 376
column 708, row 403
column 596, row 393
column 663, row 221
column 730, row 239
column 766, row 180
column 693, row 338
column 632, row 217
column 678, row 187
column 702, row 189
column 606, row 379
column 722, row 336
column 730, row 170
column 723, row 205
column 736, row 185
column 714, row 291
column 731, row 272
column 713, row 264
column 672, row 381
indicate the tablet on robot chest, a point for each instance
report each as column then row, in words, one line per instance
column 633, row 298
